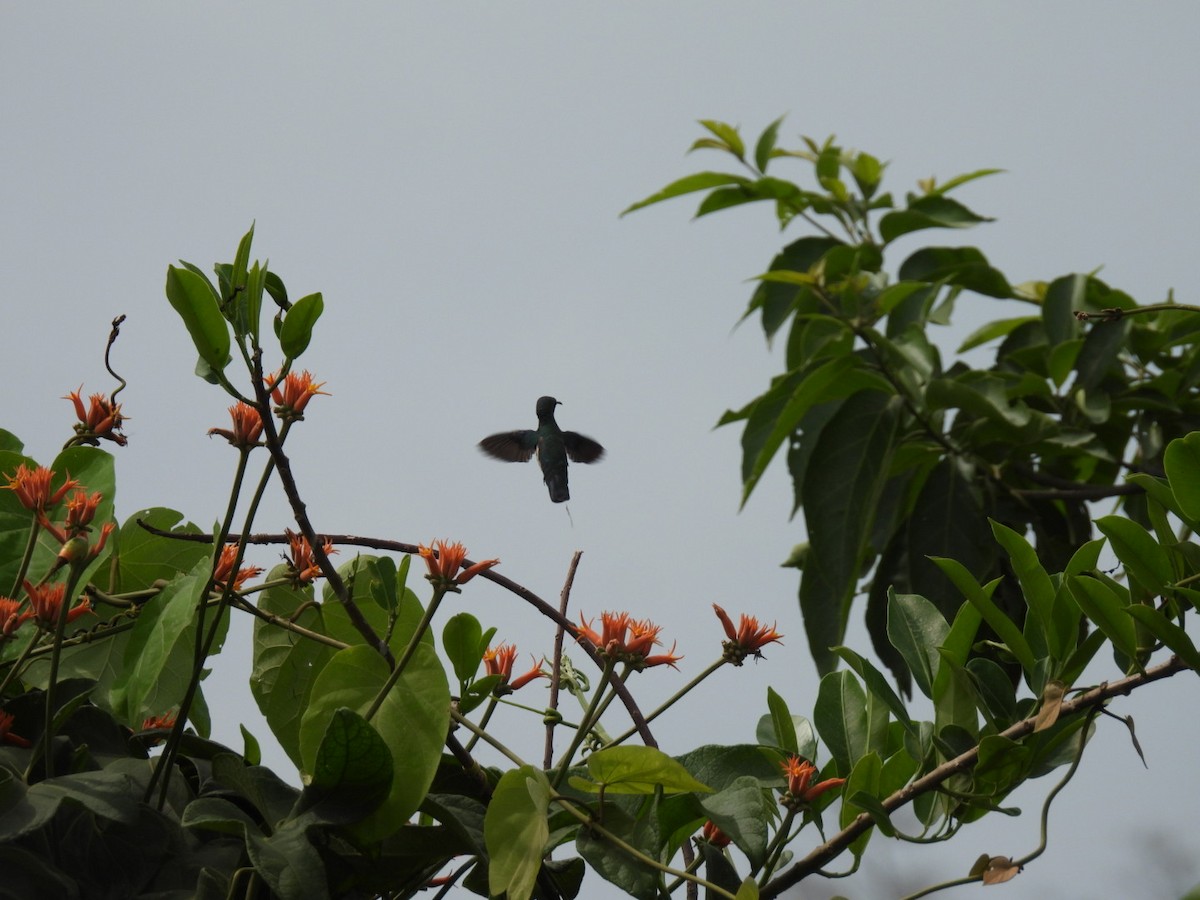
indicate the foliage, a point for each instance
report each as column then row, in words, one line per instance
column 898, row 457
column 899, row 464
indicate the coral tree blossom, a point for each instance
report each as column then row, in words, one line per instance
column 247, row 426
column 625, row 639
column 499, row 661
column 445, row 558
column 747, row 639
column 101, row 419
column 800, row 790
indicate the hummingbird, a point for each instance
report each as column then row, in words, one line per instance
column 553, row 447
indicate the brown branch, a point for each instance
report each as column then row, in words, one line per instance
column 834, row 847
column 352, row 540
column 300, row 512
column 556, row 665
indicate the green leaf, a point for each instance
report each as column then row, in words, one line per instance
column 930, row 211
column 995, row 329
column 516, row 832
column 1174, row 637
column 1144, row 558
column 738, row 811
column 867, row 172
column 782, row 722
column 916, row 629
column 727, row 135
column 1036, row 587
column 298, row 325
column 763, row 150
column 413, row 721
column 829, row 380
column 161, row 651
column 878, row 684
column 748, row 890
column 241, row 260
column 981, row 599
column 958, row 180
column 353, row 771
column 193, row 298
column 700, row 181
column 840, row 715
column 1106, row 610
column 860, row 792
column 639, row 770
column 1064, row 296
column 286, row 667
column 462, row 638
column 843, row 483
column 963, row 266
column 1182, row 462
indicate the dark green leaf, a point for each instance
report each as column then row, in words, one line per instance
column 1182, row 462
column 929, row 211
column 964, row 266
column 1106, row 610
column 1174, row 637
column 766, row 144
column 917, row 629
column 981, row 598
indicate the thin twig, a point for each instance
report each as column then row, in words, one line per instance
column 556, row 673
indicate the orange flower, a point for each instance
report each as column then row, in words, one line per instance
column 167, row 721
column 10, row 616
column 747, row 639
column 225, row 568
column 295, row 393
column 500, row 662
column 45, row 601
column 799, row 774
column 101, row 419
column 6, row 736
column 32, row 487
column 714, row 835
column 247, row 426
column 444, row 559
column 627, row 640
column 304, row 567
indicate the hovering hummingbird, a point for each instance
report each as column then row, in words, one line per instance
column 553, row 447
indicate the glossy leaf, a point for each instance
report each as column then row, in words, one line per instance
column 878, row 685
column 1174, row 637
column 981, row 598
column 1182, row 462
column 1144, row 558
column 917, row 629
column 701, row 181
column 413, row 721
column 637, row 770
column 1106, row 610
column 1037, row 589
column 298, row 324
column 930, row 211
column 840, row 715
column 516, row 832
column 192, row 297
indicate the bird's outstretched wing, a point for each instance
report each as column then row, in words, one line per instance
column 510, row 446
column 580, row 448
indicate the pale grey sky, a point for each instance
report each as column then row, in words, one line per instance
column 449, row 176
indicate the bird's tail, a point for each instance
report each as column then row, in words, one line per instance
column 556, row 483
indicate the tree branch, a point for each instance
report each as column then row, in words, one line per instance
column 834, row 847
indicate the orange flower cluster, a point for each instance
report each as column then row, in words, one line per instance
column 45, row 605
column 500, row 662
column 800, row 791
column 32, row 487
column 247, row 426
column 627, row 640
column 6, row 735
column 225, row 569
column 101, row 419
column 747, row 639
column 301, row 562
column 293, row 395
column 444, row 559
